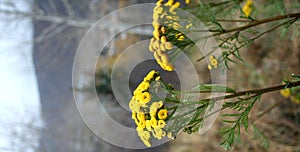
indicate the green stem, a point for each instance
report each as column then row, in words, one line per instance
column 224, row 20
column 172, row 101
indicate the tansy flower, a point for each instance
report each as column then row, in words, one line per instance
column 134, row 105
column 144, row 85
column 149, row 76
column 153, row 122
column 141, row 124
column 162, row 47
column 148, row 125
column 286, row 92
column 170, row 135
column 157, row 78
column 159, row 133
column 169, row 3
column 141, row 116
column 209, row 67
column 163, row 39
column 213, row 62
column 247, row 8
column 145, row 136
column 181, row 38
column 168, row 45
column 161, row 123
column 163, row 30
column 162, row 114
column 174, row 6
column 145, row 97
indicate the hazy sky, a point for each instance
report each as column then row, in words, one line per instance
column 19, row 98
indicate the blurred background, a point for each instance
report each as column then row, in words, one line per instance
column 38, row 42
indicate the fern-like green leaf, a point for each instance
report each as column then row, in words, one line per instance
column 240, row 119
column 213, row 88
column 258, row 135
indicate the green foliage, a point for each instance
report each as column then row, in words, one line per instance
column 277, row 5
column 258, row 135
column 203, row 88
column 286, row 28
column 244, row 106
column 209, row 12
column 221, row 22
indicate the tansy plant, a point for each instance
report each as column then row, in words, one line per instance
column 231, row 32
column 161, row 111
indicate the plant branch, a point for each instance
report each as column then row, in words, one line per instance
column 255, row 91
column 224, row 20
column 258, row 22
column 273, row 28
column 237, row 30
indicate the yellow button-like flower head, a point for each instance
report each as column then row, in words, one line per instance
column 168, row 45
column 161, row 123
column 145, row 97
column 162, row 114
column 153, row 122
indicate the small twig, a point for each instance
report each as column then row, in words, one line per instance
column 258, row 22
column 224, row 107
column 223, row 42
column 295, row 16
column 257, row 117
column 224, row 20
column 291, row 125
column 273, row 28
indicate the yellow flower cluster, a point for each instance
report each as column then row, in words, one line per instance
column 148, row 115
column 159, row 48
column 159, row 44
column 247, row 8
column 213, row 62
